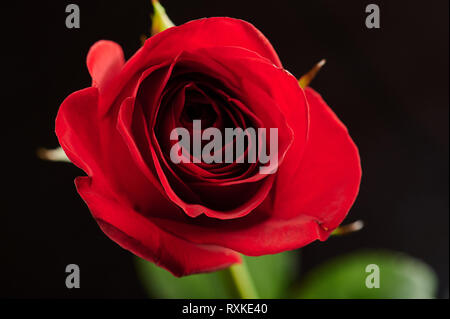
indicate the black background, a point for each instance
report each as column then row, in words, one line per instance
column 388, row 85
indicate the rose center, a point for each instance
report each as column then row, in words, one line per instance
column 198, row 108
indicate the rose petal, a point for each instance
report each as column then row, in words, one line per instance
column 202, row 33
column 254, row 234
column 213, row 32
column 104, row 61
column 93, row 143
column 139, row 235
column 327, row 182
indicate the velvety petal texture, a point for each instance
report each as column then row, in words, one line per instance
column 104, row 61
column 195, row 216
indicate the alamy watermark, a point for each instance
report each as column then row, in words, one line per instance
column 238, row 146
column 373, row 279
column 373, row 19
column 73, row 19
column 73, row 277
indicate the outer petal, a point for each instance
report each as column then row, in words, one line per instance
column 138, row 234
column 213, row 32
column 196, row 34
column 72, row 130
column 93, row 143
column 327, row 181
column 104, row 61
column 253, row 235
column 103, row 157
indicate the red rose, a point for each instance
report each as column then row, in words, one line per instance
column 197, row 217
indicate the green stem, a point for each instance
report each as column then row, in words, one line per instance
column 243, row 281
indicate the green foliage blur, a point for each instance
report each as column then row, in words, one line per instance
column 277, row 276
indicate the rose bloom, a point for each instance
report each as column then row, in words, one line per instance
column 197, row 217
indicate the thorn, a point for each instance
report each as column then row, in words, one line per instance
column 348, row 229
column 306, row 79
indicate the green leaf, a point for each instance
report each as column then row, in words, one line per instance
column 272, row 274
column 401, row 277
